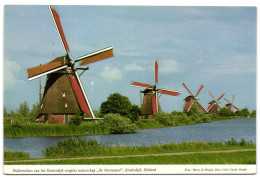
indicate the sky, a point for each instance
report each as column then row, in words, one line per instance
column 209, row 45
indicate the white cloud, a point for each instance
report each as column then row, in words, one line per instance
column 133, row 67
column 111, row 73
column 11, row 71
column 169, row 66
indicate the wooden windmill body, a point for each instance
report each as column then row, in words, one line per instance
column 150, row 104
column 230, row 105
column 214, row 105
column 189, row 100
column 64, row 95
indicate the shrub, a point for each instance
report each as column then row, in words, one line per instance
column 14, row 155
column 76, row 120
column 117, row 124
column 206, row 118
column 164, row 118
column 224, row 112
column 196, row 118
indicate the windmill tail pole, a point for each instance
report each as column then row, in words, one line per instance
column 40, row 92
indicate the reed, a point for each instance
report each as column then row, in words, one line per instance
column 37, row 129
column 76, row 147
column 14, row 155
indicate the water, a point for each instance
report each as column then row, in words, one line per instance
column 220, row 131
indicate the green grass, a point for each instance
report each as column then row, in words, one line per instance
column 77, row 147
column 38, row 129
column 26, row 129
column 245, row 157
column 14, row 155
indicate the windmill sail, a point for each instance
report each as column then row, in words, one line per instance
column 151, row 104
column 57, row 22
column 64, row 95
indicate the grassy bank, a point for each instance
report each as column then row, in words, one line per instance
column 76, row 147
column 10, row 155
column 27, row 129
column 37, row 129
column 247, row 157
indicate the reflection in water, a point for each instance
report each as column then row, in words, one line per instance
column 220, row 131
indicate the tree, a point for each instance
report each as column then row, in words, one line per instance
column 244, row 112
column 34, row 112
column 5, row 112
column 253, row 113
column 24, row 109
column 134, row 113
column 116, row 103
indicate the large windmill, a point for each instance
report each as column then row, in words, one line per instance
column 64, row 95
column 189, row 100
column 230, row 105
column 151, row 103
column 214, row 104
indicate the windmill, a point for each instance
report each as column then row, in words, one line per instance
column 230, row 105
column 189, row 100
column 151, row 103
column 214, row 104
column 64, row 95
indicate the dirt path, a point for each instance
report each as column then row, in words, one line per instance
column 139, row 155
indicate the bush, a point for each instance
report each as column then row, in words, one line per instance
column 117, row 124
column 164, row 118
column 194, row 110
column 224, row 112
column 206, row 118
column 76, row 120
column 196, row 118
column 14, row 155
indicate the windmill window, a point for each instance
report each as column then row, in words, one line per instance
column 63, row 94
column 66, row 105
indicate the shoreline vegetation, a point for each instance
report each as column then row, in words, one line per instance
column 119, row 116
column 77, row 147
column 112, row 124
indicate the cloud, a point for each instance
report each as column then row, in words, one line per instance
column 11, row 71
column 111, row 73
column 169, row 66
column 133, row 67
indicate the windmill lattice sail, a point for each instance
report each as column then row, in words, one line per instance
column 64, row 95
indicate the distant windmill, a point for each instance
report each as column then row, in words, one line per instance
column 151, row 103
column 230, row 105
column 189, row 100
column 64, row 95
column 214, row 104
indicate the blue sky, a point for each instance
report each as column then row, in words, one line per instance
column 214, row 46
